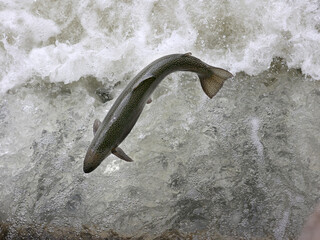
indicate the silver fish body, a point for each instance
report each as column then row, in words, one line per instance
column 127, row 108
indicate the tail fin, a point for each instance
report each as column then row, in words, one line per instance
column 212, row 83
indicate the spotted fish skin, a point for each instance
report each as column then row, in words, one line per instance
column 127, row 108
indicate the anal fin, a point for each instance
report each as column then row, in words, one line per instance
column 121, row 154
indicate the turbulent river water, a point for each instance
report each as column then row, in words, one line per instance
column 243, row 164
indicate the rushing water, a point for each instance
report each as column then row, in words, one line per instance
column 245, row 163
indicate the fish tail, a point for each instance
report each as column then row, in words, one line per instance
column 211, row 83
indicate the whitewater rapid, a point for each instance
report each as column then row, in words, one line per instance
column 244, row 164
column 63, row 42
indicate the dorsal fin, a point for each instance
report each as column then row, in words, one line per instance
column 142, row 82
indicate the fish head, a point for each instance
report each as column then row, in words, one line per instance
column 93, row 159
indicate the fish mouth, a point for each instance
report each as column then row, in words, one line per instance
column 92, row 161
column 87, row 169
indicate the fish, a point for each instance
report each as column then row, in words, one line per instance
column 127, row 108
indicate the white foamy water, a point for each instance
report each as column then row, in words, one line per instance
column 220, row 167
column 63, row 42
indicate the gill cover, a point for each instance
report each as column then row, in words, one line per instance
column 116, row 151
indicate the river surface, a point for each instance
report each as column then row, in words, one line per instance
column 243, row 164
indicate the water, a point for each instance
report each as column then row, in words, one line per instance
column 245, row 163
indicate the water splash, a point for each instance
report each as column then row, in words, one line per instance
column 64, row 43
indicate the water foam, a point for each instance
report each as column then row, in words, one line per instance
column 98, row 38
column 255, row 124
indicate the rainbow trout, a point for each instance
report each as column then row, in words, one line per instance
column 127, row 108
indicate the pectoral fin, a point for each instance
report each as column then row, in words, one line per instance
column 96, row 125
column 121, row 154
